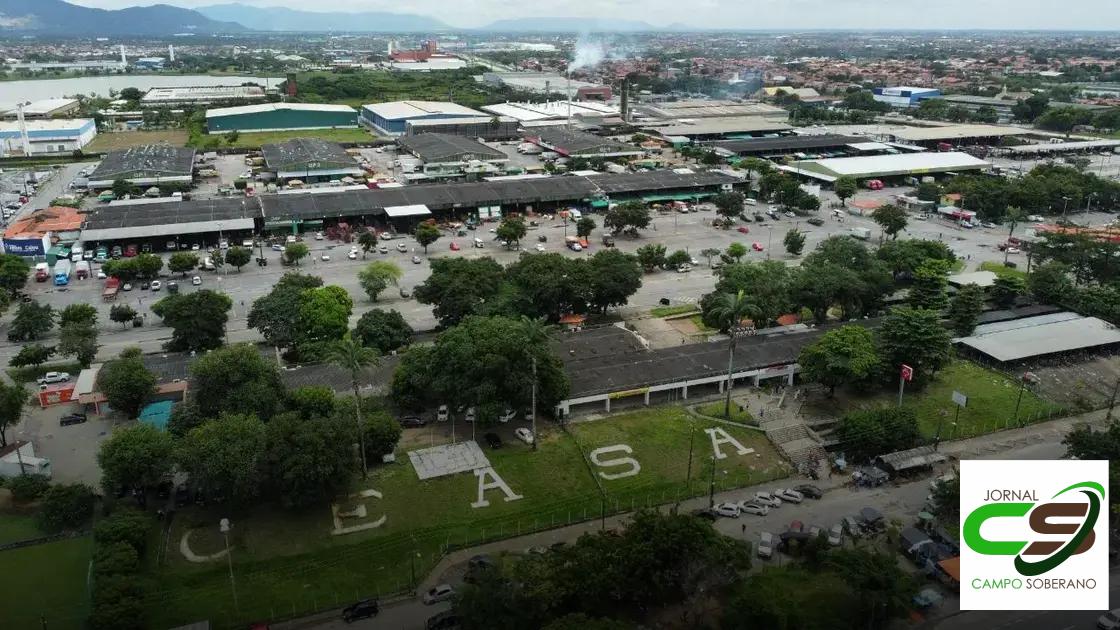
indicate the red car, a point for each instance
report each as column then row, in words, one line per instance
column 744, row 229
column 131, row 251
column 454, row 246
column 756, row 247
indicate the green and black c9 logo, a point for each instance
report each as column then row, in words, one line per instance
column 1055, row 552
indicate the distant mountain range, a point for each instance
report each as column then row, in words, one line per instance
column 283, row 19
column 567, row 25
column 55, row 17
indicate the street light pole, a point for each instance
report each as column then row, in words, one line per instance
column 712, row 485
column 224, row 526
column 533, row 409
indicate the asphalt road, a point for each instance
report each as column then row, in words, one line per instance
column 1033, row 619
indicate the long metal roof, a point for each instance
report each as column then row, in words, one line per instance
column 1038, row 336
column 763, row 145
column 148, row 159
column 444, row 147
column 889, row 165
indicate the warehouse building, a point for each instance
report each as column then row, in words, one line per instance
column 1043, row 336
column 485, row 127
column 785, row 145
column 904, row 96
column 552, row 110
column 280, row 117
column 446, row 155
column 392, row 118
column 580, row 144
column 956, row 135
column 1001, row 106
column 687, row 130
column 44, row 109
column 309, row 160
column 146, row 165
column 711, row 109
column 885, row 166
column 165, row 225
column 544, row 83
column 201, row 95
column 38, row 233
column 46, row 137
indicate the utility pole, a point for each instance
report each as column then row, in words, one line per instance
column 712, row 485
column 225, row 526
column 1112, row 401
column 533, row 409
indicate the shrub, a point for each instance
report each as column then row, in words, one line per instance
column 124, row 526
column 116, row 557
column 66, row 507
column 28, row 487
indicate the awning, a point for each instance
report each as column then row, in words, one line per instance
column 167, row 229
column 676, row 197
column 600, row 203
column 418, row 210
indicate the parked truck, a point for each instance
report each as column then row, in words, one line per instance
column 42, row 272
column 112, row 287
column 861, row 233
column 81, row 269
column 62, row 270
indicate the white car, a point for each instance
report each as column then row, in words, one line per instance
column 470, row 415
column 383, row 250
column 1110, row 620
column 1036, row 217
column 246, row 175
column 523, row 434
column 750, row 507
column 790, row 496
column 540, row 247
column 325, row 257
column 442, row 414
column 101, row 275
column 156, row 285
column 836, row 535
column 318, row 236
column 767, row 499
column 789, row 215
column 1013, row 250
column 196, row 281
column 195, row 247
column 439, row 593
column 352, row 254
column 401, row 247
column 684, row 268
column 765, row 547
column 53, row 377
column 223, row 244
column 509, row 414
column 729, row 510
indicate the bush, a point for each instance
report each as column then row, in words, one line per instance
column 66, row 507
column 114, row 558
column 126, row 526
column 28, row 487
column 117, row 603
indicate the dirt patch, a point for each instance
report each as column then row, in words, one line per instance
column 126, row 139
column 1083, row 385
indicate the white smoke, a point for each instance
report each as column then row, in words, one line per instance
column 587, row 54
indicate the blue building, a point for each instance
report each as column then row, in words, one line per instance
column 904, row 97
column 46, row 136
column 393, row 118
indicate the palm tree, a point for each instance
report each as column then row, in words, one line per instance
column 1013, row 216
column 354, row 357
column 729, row 310
column 536, row 332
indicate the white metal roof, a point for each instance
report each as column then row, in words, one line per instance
column 953, row 132
column 44, row 106
column 869, row 146
column 73, row 125
column 418, row 210
column 397, row 110
column 870, row 165
column 270, row 107
column 979, row 278
column 550, row 109
column 1042, row 335
column 1065, row 146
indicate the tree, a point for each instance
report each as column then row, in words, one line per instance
column 182, row 262
column 13, row 398
column 225, row 456
column 1031, row 108
column 729, row 205
column 651, row 256
column 368, row 241
column 709, row 253
column 965, row 309
column 883, row 590
column 511, row 230
column 867, row 433
column 123, row 187
column 381, row 431
column 947, row 500
column 13, row 273
column 1087, row 443
column 324, row 317
column 459, row 287
column 238, row 257
column 1050, row 283
column 276, row 315
column 32, row 321
column 84, row 314
column 295, row 252
column 308, row 460
column 376, row 276
column 808, row 203
column 584, row 226
column 425, row 235
column 122, row 314
column 629, row 217
column 614, row 277
column 124, row 526
column 492, row 361
column 198, row 320
column 384, row 331
column 127, row 384
column 844, row 356
column 845, row 187
column 32, row 354
column 903, row 257
column 914, row 337
column 1006, row 289
column 115, row 558
column 136, row 456
column 236, row 379
column 729, row 309
column 868, row 279
column 930, row 282
column 65, row 506
column 736, row 251
column 148, row 266
column 891, row 218
column 79, row 341
column 679, row 257
column 790, row 598
column 26, row 488
column 354, row 358
column 766, row 286
column 794, row 242
column 929, row 191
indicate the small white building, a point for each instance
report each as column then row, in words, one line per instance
column 45, row 137
column 21, row 452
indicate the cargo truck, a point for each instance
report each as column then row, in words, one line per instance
column 81, row 269
column 112, row 287
column 62, row 273
column 42, row 272
column 861, row 233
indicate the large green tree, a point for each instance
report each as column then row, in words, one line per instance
column 324, row 317
column 225, row 456
column 14, row 272
column 79, row 341
column 239, row 257
column 13, row 398
column 84, row 314
column 845, row 188
column 614, row 277
column 512, row 230
column 1007, row 289
column 309, row 461
column 965, row 309
column 794, row 242
column 378, row 276
column 182, row 262
column 844, row 356
column 32, row 321
column 459, row 287
column 651, row 256
column 135, row 456
column 236, row 379
column 354, row 359
column 385, row 331
column 728, row 310
column 729, row 205
column 198, row 320
column 276, row 315
column 891, row 218
column 1050, row 283
column 425, row 235
column 871, row 280
column 928, row 290
column 127, row 384
column 868, row 433
column 765, row 287
column 914, row 337
column 628, row 217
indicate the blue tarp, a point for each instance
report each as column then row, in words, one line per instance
column 157, row 414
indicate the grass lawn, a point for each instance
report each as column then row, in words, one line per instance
column 1003, row 272
column 126, row 139
column 715, row 409
column 289, row 564
column 15, row 526
column 255, row 140
column 669, row 311
column 990, row 407
column 46, row 580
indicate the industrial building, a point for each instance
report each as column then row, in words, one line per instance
column 552, row 110
column 1043, row 336
column 159, row 223
column 1001, row 106
column 309, row 160
column 904, row 96
column 882, row 166
column 446, row 155
column 201, row 95
column 785, row 145
column 930, row 137
column 46, row 137
column 711, row 109
column 544, row 83
column 146, row 165
column 1050, row 148
column 392, row 118
column 280, row 117
column 44, row 109
column 684, row 131
column 485, row 127
column 579, row 144
column 34, row 235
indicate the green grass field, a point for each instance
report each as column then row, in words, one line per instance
column 669, row 311
column 255, row 140
column 289, row 564
column 715, row 410
column 1001, row 271
column 16, row 526
column 45, row 581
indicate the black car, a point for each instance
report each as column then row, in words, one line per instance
column 810, row 491
column 493, row 441
column 476, row 566
column 446, row 620
column 360, row 610
column 816, row 221
column 72, row 418
column 144, row 286
column 706, row 514
column 759, row 218
column 412, row 422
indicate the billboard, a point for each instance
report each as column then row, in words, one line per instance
column 26, row 246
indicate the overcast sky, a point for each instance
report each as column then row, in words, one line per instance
column 746, row 14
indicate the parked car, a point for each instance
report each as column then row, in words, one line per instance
column 706, row 514
column 126, row 286
column 790, row 496
column 416, row 260
column 523, row 434
column 765, row 498
column 684, row 268
column 276, row 247
column 454, row 246
column 476, row 565
column 836, row 535
column 352, row 254
column 401, row 247
column 765, row 547
column 750, row 507
column 507, row 415
column 72, row 418
column 539, row 247
column 817, row 221
column 1036, row 217
column 744, row 229
column 439, row 593
column 360, row 610
column 492, row 440
column 727, row 510
column 796, row 526
column 319, row 236
column 470, row 415
column 756, row 246
column 196, row 281
column 383, row 249
column 790, row 215
column 815, row 530
column 850, row 526
column 412, row 422
column 442, row 414
column 325, row 257
column 446, row 620
column 156, row 285
column 53, row 377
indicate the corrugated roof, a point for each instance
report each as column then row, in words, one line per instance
column 150, row 159
column 712, row 126
column 301, row 151
column 886, row 165
column 956, row 132
column 275, row 107
column 1038, row 336
column 786, row 143
column 442, row 147
column 39, row 222
column 398, row 110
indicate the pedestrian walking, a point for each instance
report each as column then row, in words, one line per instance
column 744, row 528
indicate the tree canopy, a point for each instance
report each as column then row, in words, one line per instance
column 276, row 315
column 127, row 384
column 844, row 356
column 198, row 320
column 236, row 379
column 135, row 456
